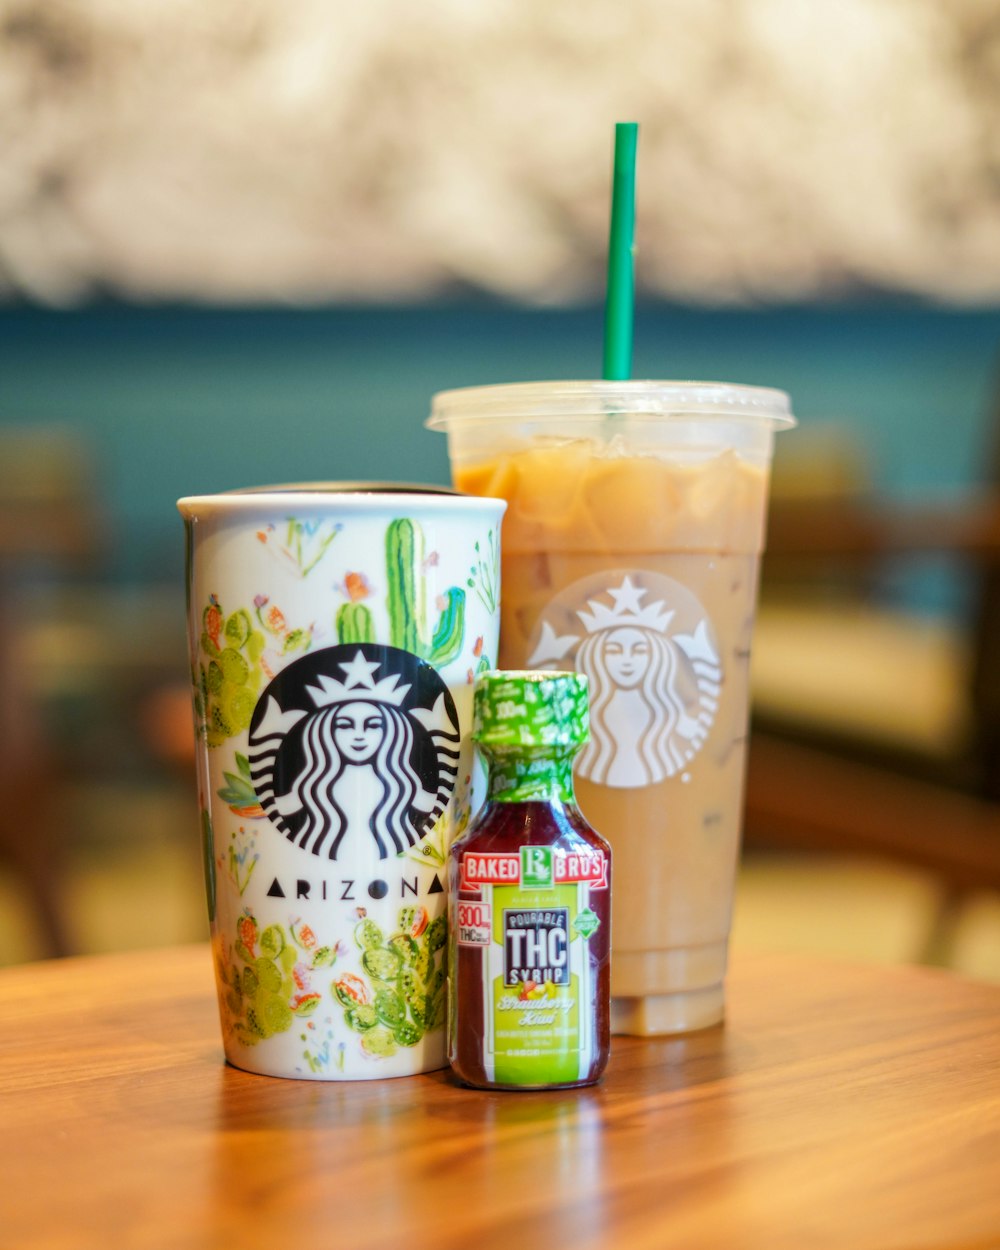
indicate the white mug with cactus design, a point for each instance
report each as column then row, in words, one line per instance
column 334, row 637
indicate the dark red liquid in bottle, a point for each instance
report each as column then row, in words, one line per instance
column 530, row 898
column 502, row 829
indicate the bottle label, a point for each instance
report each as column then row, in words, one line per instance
column 532, row 926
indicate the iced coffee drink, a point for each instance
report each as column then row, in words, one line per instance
column 630, row 551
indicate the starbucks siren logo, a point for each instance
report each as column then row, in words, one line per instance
column 655, row 673
column 355, row 742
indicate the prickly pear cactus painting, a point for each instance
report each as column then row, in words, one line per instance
column 228, row 677
column 237, row 651
column 266, row 977
column 399, row 995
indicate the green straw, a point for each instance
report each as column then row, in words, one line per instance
column 619, row 305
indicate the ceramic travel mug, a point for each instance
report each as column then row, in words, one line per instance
column 631, row 545
column 334, row 638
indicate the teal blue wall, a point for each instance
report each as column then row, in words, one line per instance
column 183, row 400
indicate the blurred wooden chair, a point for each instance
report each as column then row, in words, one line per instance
column 50, row 526
column 909, row 768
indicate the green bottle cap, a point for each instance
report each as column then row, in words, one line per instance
column 531, row 709
column 529, row 725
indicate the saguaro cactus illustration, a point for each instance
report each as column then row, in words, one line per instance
column 354, row 623
column 406, row 602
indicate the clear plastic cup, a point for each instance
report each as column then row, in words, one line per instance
column 631, row 546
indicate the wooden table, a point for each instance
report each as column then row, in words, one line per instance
column 841, row 1106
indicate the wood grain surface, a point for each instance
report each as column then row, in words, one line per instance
column 840, row 1106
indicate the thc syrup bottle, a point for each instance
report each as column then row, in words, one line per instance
column 530, row 898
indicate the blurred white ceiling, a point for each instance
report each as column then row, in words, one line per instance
column 244, row 150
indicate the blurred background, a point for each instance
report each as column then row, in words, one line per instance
column 244, row 243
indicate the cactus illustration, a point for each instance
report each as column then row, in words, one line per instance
column 406, row 598
column 447, row 639
column 354, row 623
column 265, row 978
column 406, row 601
column 484, row 575
column 228, row 676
